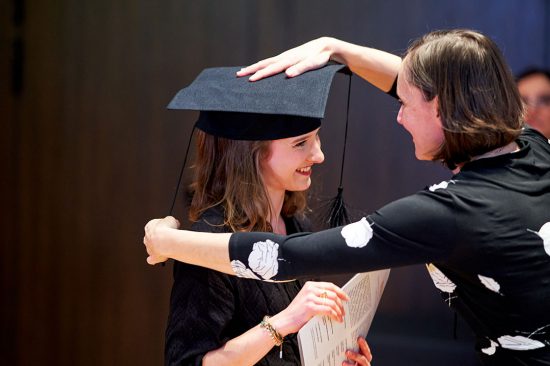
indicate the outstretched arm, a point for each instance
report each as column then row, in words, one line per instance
column 375, row 66
column 394, row 235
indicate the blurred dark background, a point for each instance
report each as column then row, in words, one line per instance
column 89, row 154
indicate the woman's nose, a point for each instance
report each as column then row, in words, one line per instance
column 400, row 116
column 317, row 155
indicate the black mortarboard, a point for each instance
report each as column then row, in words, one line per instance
column 268, row 109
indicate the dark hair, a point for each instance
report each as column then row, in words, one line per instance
column 479, row 104
column 227, row 173
column 533, row 70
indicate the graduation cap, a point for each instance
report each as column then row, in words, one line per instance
column 268, row 109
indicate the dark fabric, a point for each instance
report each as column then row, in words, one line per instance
column 218, row 89
column 208, row 308
column 255, row 126
column 485, row 233
column 393, row 90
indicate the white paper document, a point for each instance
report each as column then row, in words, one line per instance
column 323, row 342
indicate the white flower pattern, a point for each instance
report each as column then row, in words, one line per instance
column 241, row 271
column 544, row 234
column 490, row 283
column 442, row 185
column 263, row 259
column 519, row 343
column 442, row 282
column 491, row 349
column 357, row 234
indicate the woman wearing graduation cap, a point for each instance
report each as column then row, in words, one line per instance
column 485, row 233
column 256, row 147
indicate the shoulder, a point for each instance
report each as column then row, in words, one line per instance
column 425, row 222
column 298, row 224
column 432, row 211
column 211, row 220
column 433, row 204
column 532, row 135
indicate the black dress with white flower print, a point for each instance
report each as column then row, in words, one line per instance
column 484, row 235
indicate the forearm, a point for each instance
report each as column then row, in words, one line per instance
column 197, row 248
column 375, row 66
column 246, row 349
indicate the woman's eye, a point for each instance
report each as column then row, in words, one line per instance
column 300, row 144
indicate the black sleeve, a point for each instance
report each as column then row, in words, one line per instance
column 416, row 229
column 201, row 306
column 393, row 91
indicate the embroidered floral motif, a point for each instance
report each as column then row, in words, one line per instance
column 442, row 185
column 519, row 343
column 490, row 283
column 491, row 349
column 357, row 234
column 442, row 282
column 263, row 259
column 241, row 271
column 515, row 343
column 544, row 233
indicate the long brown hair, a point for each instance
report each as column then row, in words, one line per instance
column 479, row 104
column 227, row 174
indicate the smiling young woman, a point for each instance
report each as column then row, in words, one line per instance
column 251, row 172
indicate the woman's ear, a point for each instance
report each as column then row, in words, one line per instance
column 435, row 105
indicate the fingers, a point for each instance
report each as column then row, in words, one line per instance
column 175, row 221
column 363, row 357
column 287, row 62
column 168, row 221
column 327, row 299
column 150, row 225
column 255, row 67
column 356, row 359
column 310, row 63
column 152, row 259
column 270, row 70
column 329, row 287
column 364, row 348
column 308, row 56
column 329, row 305
column 314, row 299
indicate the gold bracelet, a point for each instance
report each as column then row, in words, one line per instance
column 277, row 338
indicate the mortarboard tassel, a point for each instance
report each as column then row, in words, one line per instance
column 181, row 172
column 180, row 177
column 338, row 212
column 335, row 211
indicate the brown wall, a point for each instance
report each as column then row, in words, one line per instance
column 89, row 153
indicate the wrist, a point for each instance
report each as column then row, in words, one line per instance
column 336, row 49
column 166, row 244
column 283, row 324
